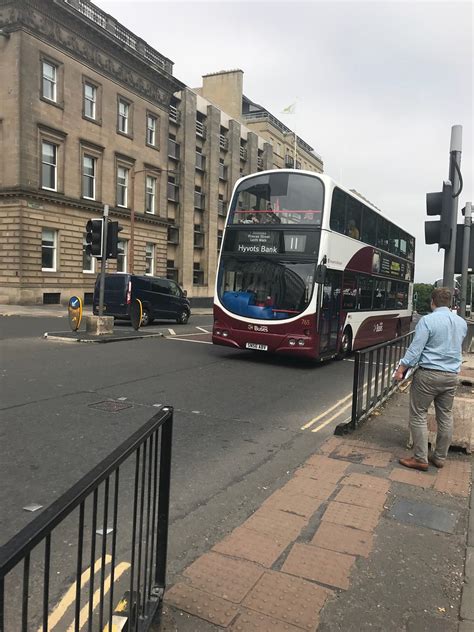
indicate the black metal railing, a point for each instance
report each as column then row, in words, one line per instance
column 54, row 571
column 373, row 383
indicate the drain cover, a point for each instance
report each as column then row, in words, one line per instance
column 425, row 515
column 110, row 406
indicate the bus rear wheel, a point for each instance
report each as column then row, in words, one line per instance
column 346, row 344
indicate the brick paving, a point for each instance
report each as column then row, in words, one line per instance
column 336, row 537
column 321, row 565
column 276, row 571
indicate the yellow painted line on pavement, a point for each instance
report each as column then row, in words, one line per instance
column 328, row 421
column 84, row 614
column 70, row 595
column 311, row 422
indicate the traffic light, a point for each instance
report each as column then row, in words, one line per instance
column 94, row 228
column 439, row 203
column 113, row 231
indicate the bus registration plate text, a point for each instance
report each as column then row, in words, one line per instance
column 256, row 347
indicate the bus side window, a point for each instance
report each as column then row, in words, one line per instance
column 349, row 292
column 353, row 218
column 365, row 286
column 379, row 294
column 338, row 211
column 369, row 226
column 382, row 233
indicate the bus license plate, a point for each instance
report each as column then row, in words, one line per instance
column 254, row 345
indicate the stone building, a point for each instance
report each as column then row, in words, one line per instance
column 91, row 115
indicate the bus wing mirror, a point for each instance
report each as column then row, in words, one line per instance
column 321, row 271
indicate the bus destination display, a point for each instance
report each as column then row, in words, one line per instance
column 268, row 242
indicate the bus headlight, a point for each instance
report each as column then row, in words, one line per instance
column 225, row 334
column 301, row 342
column 218, row 332
column 292, row 342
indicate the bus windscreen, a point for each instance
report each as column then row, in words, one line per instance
column 278, row 198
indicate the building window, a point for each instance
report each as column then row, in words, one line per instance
column 122, row 258
column 122, row 186
column 88, row 176
column 88, row 261
column 198, row 274
column 150, row 259
column 50, row 81
column 173, row 235
column 219, row 239
column 150, row 194
column 49, row 166
column 48, row 249
column 123, row 117
column 90, row 101
column 171, row 270
column 151, row 130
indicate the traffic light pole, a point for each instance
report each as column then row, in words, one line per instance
column 454, row 160
column 465, row 258
column 103, row 261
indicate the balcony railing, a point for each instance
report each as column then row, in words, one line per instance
column 201, row 129
column 173, row 192
column 243, row 153
column 175, row 115
column 289, row 162
column 223, row 142
column 260, row 162
column 122, row 34
column 199, row 200
column 222, row 172
column 221, row 210
column 173, row 149
column 200, row 161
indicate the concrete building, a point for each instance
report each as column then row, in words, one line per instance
column 225, row 89
column 93, row 115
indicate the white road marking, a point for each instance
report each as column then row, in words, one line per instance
column 201, row 342
column 204, row 330
column 172, row 332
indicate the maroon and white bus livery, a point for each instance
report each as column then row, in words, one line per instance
column 309, row 268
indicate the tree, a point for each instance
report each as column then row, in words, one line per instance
column 423, row 297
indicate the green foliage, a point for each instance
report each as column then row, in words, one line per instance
column 423, row 292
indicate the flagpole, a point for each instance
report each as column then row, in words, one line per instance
column 294, row 152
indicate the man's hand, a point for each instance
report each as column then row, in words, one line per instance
column 399, row 373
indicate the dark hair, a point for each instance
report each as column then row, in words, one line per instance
column 441, row 297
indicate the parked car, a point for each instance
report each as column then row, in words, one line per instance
column 160, row 298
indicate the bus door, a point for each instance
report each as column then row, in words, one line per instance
column 330, row 312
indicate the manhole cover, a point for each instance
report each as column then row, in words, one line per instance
column 111, row 406
column 425, row 515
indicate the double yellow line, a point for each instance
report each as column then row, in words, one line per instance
column 341, row 405
column 69, row 597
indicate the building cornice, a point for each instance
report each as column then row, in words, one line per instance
column 36, row 198
column 63, row 27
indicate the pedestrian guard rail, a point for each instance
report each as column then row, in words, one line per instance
column 373, row 383
column 95, row 559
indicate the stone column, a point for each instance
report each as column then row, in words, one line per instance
column 233, row 156
column 212, row 194
column 267, row 156
column 252, row 153
column 187, row 139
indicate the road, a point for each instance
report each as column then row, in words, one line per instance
column 243, row 421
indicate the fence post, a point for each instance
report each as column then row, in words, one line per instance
column 164, row 501
column 355, row 390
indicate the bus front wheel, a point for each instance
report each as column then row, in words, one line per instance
column 346, row 344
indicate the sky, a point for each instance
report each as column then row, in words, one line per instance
column 377, row 85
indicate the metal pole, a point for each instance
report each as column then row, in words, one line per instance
column 454, row 158
column 103, row 259
column 465, row 257
column 294, row 152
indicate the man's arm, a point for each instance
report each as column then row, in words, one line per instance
column 414, row 351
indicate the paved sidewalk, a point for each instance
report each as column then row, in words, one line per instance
column 352, row 541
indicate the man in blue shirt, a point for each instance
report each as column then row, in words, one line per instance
column 437, row 350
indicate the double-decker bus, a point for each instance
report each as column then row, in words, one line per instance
column 310, row 268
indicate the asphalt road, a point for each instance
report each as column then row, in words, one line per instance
column 238, row 430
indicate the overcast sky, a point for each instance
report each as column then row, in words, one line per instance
column 378, row 85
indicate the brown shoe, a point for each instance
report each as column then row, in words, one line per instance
column 414, row 464
column 435, row 461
